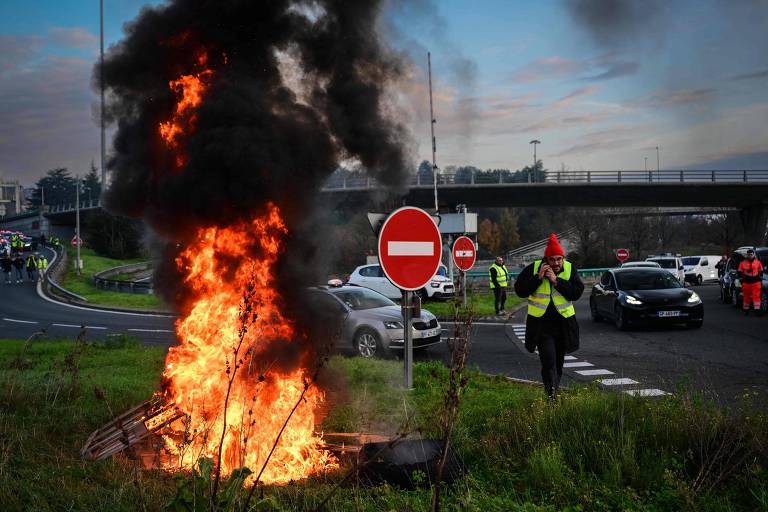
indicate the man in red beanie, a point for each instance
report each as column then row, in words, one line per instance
column 551, row 285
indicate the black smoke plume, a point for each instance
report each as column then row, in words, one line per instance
column 614, row 23
column 291, row 89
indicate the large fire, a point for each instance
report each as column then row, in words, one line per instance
column 223, row 358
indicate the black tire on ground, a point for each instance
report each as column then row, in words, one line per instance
column 593, row 311
column 695, row 324
column 619, row 319
column 367, row 344
column 699, row 280
column 422, row 294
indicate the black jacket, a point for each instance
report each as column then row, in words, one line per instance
column 552, row 322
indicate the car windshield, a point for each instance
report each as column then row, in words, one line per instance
column 691, row 260
column 665, row 263
column 646, row 280
column 362, row 298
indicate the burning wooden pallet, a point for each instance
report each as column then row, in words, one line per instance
column 130, row 428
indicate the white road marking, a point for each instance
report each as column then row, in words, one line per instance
column 587, row 373
column 78, row 326
column 148, row 330
column 19, row 321
column 410, row 248
column 646, row 392
column 617, row 382
column 570, row 358
column 579, row 364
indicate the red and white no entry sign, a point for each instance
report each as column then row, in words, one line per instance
column 622, row 255
column 410, row 248
column 464, row 253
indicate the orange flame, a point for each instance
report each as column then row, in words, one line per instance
column 189, row 89
column 218, row 268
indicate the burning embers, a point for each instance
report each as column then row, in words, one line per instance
column 222, row 376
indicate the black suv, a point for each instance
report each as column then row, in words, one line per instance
column 730, row 288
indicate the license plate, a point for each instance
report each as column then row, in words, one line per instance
column 669, row 313
column 429, row 333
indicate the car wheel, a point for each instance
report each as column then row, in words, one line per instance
column 619, row 319
column 695, row 324
column 593, row 311
column 699, row 280
column 423, row 295
column 368, row 344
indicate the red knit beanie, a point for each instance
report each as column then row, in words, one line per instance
column 553, row 247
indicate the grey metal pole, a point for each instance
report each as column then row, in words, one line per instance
column 464, row 286
column 408, row 339
column 101, row 83
column 658, row 173
column 432, row 122
column 77, row 223
column 646, row 164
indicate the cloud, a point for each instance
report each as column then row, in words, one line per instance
column 603, row 67
column 590, row 147
column 46, row 107
column 583, row 91
column 17, row 49
column 73, row 37
column 663, row 98
column 750, row 76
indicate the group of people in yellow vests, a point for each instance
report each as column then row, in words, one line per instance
column 551, row 285
column 12, row 261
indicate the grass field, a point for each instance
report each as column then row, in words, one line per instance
column 482, row 302
column 83, row 284
column 590, row 451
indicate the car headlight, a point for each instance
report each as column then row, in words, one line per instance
column 393, row 325
column 694, row 298
column 435, row 284
column 633, row 300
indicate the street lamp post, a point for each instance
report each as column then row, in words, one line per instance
column 534, row 142
column 658, row 174
column 646, row 165
column 77, row 225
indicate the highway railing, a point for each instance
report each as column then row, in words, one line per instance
column 362, row 182
column 105, row 281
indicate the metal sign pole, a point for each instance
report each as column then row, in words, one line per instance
column 464, row 286
column 408, row 339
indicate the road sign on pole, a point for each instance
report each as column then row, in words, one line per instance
column 464, row 253
column 410, row 249
column 622, row 255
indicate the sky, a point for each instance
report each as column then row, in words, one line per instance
column 601, row 83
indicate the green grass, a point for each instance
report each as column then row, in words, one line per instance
column 590, row 451
column 84, row 286
column 481, row 301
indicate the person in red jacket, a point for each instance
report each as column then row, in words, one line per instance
column 751, row 273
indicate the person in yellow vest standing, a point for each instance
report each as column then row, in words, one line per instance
column 42, row 266
column 551, row 285
column 499, row 282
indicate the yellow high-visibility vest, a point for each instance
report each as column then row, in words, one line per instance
column 502, row 276
column 539, row 300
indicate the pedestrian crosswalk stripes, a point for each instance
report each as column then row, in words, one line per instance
column 573, row 362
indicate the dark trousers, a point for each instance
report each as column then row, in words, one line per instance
column 500, row 297
column 552, row 356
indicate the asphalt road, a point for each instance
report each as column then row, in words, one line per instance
column 725, row 358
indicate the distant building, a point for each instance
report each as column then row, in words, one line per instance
column 11, row 198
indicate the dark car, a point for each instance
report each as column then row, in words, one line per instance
column 644, row 295
column 730, row 285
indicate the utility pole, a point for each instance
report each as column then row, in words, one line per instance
column 646, row 164
column 101, row 84
column 432, row 122
column 533, row 170
column 658, row 174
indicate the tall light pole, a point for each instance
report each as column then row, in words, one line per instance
column 101, row 86
column 77, row 224
column 658, row 174
column 432, row 122
column 646, row 165
column 533, row 170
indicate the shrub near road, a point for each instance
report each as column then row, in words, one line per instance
column 84, row 286
column 590, row 451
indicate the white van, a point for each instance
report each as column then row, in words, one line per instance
column 673, row 264
column 700, row 268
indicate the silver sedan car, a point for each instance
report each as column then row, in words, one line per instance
column 368, row 322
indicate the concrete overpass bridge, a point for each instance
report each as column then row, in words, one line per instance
column 621, row 192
